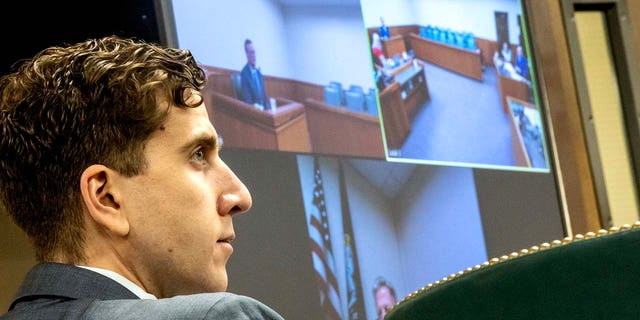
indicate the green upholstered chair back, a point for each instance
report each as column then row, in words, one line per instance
column 591, row 276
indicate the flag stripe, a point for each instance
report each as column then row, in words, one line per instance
column 322, row 251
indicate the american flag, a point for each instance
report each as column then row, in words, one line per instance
column 321, row 250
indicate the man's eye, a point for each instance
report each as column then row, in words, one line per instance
column 199, row 155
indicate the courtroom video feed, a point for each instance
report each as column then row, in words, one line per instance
column 455, row 83
column 371, row 219
column 292, row 78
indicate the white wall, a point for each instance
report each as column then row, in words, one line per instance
column 439, row 229
column 215, row 32
column 476, row 16
column 329, row 43
column 315, row 44
column 373, row 226
column 375, row 237
column 397, row 12
column 412, row 240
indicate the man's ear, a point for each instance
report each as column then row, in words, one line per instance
column 100, row 193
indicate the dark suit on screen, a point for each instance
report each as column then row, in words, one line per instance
column 60, row 291
column 252, row 86
column 384, row 32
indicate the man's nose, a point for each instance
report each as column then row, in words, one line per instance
column 236, row 198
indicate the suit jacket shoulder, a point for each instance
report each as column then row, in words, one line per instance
column 60, row 291
column 222, row 305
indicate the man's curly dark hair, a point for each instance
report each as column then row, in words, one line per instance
column 94, row 102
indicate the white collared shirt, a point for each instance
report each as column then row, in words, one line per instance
column 123, row 281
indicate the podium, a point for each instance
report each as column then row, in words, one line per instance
column 244, row 126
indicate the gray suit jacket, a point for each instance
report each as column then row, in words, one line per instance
column 60, row 291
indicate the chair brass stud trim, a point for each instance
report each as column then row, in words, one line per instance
column 523, row 252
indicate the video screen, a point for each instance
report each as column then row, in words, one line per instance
column 445, row 71
column 395, row 141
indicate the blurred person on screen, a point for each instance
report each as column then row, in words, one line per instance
column 385, row 297
column 522, row 65
column 376, row 50
column 506, row 53
column 110, row 165
column 253, row 91
column 383, row 30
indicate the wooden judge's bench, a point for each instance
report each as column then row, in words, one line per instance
column 401, row 100
column 301, row 121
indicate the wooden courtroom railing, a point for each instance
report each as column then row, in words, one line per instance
column 459, row 60
column 509, row 87
column 392, row 46
column 396, row 120
column 294, row 126
column 336, row 130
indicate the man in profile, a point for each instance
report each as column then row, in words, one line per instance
column 253, row 91
column 109, row 163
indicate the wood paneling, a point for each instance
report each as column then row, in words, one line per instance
column 294, row 127
column 465, row 62
column 487, row 49
column 560, row 99
column 395, row 45
column 338, row 131
column 633, row 8
column 402, row 30
column 396, row 120
column 509, row 87
column 16, row 258
column 242, row 125
column 400, row 102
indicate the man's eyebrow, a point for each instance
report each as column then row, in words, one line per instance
column 206, row 140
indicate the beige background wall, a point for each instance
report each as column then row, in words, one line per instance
column 16, row 257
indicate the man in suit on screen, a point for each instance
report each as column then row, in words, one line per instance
column 110, row 165
column 253, row 91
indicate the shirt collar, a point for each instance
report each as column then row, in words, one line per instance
column 141, row 293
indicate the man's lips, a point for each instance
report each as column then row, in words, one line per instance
column 225, row 244
column 228, row 239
